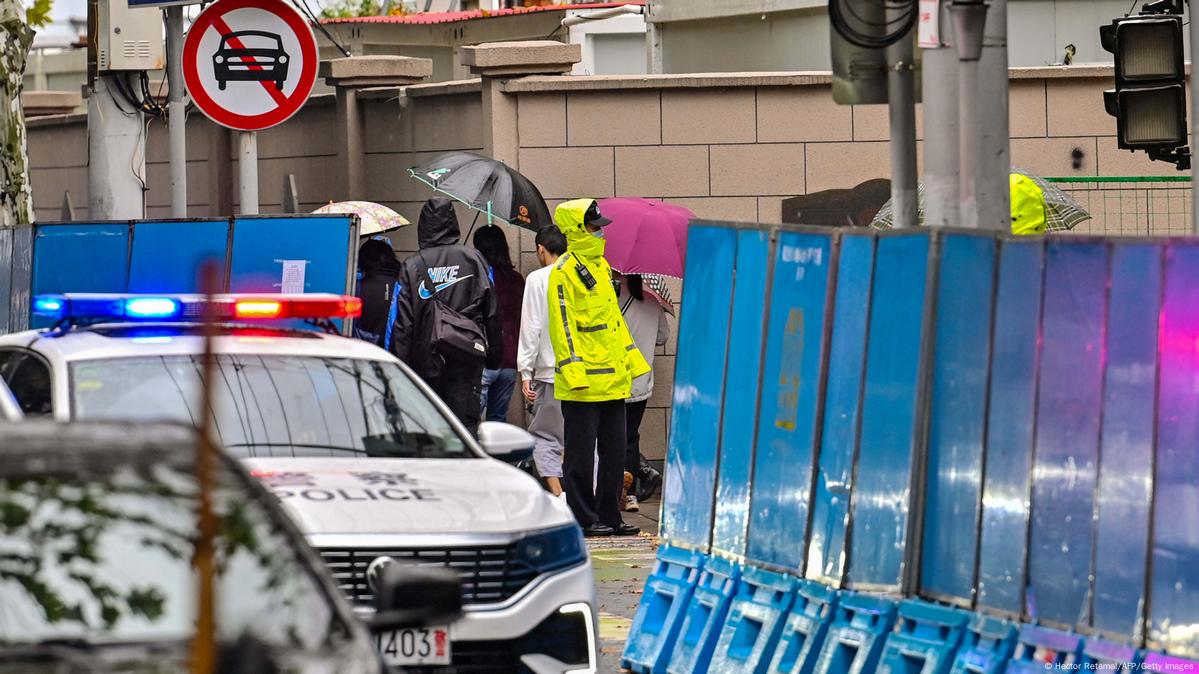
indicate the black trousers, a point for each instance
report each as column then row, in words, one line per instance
column 460, row 386
column 588, row 428
column 633, row 415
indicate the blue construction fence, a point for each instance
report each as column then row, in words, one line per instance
column 164, row 256
column 929, row 451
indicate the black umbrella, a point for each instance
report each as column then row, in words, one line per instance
column 487, row 186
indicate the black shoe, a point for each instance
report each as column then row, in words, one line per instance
column 648, row 482
column 597, row 530
column 627, row 530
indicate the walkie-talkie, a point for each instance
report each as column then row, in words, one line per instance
column 585, row 276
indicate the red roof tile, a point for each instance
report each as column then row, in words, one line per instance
column 452, row 17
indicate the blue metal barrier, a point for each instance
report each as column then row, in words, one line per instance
column 842, row 411
column 166, row 256
column 660, row 614
column 1004, row 525
column 1067, row 440
column 704, row 617
column 1106, row 656
column 925, row 639
column 856, row 636
column 755, row 622
column 1126, row 444
column 689, row 485
column 1174, row 585
column 262, row 245
column 892, row 408
column 788, row 425
column 957, row 417
column 805, row 629
column 1039, row 649
column 739, row 414
column 986, row 646
column 80, row 258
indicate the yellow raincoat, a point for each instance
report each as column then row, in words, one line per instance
column 595, row 354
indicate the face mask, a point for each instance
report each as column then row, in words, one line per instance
column 598, row 234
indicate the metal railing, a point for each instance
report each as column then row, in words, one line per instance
column 1131, row 205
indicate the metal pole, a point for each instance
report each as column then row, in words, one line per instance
column 176, row 112
column 993, row 186
column 247, row 170
column 968, row 142
column 901, row 97
column 940, row 84
column 1194, row 113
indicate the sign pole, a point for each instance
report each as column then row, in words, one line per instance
column 1193, row 12
column 176, row 112
column 247, row 169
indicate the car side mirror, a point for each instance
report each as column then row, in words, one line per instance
column 505, row 441
column 408, row 597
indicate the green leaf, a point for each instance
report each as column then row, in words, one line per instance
column 37, row 15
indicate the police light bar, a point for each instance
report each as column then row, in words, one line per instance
column 189, row 308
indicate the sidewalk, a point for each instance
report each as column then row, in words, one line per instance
column 621, row 567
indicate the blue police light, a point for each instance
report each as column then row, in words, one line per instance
column 152, row 307
column 51, row 306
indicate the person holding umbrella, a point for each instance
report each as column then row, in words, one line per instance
column 646, row 319
column 447, row 320
column 596, row 362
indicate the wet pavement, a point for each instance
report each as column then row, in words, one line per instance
column 621, row 567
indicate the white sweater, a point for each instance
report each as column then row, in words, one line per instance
column 535, row 352
column 647, row 323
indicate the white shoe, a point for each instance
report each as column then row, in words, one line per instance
column 630, row 504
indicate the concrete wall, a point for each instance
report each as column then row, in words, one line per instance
column 729, row 147
column 785, row 35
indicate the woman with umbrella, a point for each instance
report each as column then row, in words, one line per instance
column 509, row 291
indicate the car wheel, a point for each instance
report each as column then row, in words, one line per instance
column 221, row 84
column 279, row 85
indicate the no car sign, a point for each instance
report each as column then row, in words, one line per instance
column 249, row 64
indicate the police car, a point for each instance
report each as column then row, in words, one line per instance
column 371, row 464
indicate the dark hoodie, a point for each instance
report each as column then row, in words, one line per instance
column 459, row 275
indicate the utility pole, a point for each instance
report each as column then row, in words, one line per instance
column 116, row 167
column 994, row 144
column 901, row 99
column 941, row 135
column 969, row 18
column 176, row 111
column 247, row 172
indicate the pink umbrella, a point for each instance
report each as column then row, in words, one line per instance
column 646, row 236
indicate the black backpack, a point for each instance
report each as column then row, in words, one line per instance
column 452, row 336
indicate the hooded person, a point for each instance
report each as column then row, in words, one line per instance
column 447, row 323
column 596, row 361
column 377, row 290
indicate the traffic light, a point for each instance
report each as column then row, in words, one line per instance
column 1149, row 101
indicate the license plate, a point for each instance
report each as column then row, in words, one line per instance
column 428, row 646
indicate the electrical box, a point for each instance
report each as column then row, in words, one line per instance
column 128, row 38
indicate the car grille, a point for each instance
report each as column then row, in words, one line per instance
column 490, row 574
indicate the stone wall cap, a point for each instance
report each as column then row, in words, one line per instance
column 536, row 57
column 381, row 70
column 41, row 103
column 689, row 81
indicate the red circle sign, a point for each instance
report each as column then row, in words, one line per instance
column 249, row 64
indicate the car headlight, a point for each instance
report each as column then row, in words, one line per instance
column 552, row 549
column 283, row 59
column 219, row 59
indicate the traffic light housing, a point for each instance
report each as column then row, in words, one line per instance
column 1149, row 101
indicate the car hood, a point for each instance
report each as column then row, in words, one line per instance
column 329, row 496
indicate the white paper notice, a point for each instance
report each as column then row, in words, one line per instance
column 929, row 34
column 293, row 276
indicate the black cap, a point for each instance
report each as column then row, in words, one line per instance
column 593, row 216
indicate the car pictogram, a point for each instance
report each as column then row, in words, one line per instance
column 250, row 56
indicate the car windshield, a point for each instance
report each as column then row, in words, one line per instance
column 270, row 406
column 105, row 556
column 252, row 41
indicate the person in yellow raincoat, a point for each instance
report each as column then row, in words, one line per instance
column 596, row 362
column 1028, row 205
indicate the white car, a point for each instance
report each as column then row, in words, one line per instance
column 372, row 465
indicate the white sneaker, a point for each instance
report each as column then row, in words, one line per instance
column 630, row 504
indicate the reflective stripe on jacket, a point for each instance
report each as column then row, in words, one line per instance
column 595, row 357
